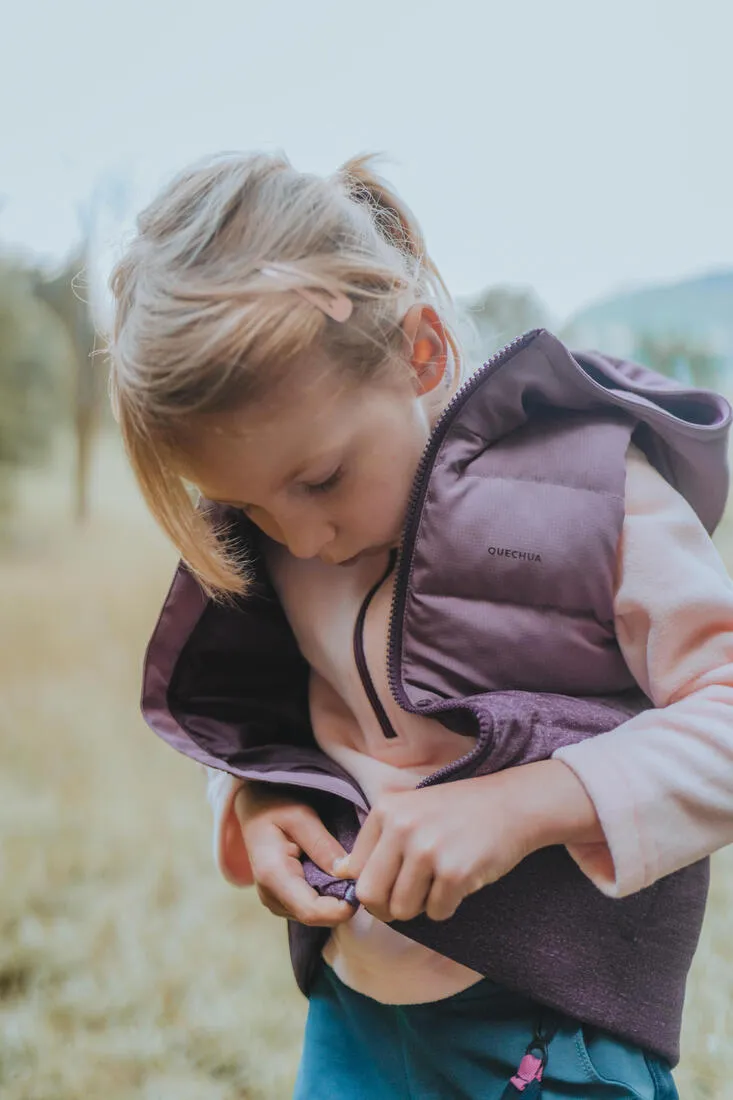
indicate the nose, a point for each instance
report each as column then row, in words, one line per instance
column 308, row 538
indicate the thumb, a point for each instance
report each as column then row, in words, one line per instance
column 340, row 868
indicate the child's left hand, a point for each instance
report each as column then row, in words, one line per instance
column 425, row 850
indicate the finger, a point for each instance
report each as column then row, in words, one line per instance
column 375, row 883
column 305, row 905
column 324, row 917
column 412, row 889
column 366, row 842
column 285, row 882
column 446, row 894
column 298, row 821
column 271, row 903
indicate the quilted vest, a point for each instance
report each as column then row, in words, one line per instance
column 502, row 628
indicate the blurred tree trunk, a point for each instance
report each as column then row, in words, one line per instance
column 33, row 355
column 64, row 296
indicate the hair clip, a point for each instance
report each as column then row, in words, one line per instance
column 335, row 305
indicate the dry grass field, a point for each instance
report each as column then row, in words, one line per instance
column 127, row 968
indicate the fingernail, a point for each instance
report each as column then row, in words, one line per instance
column 339, row 865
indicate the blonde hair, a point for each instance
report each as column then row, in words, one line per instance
column 199, row 327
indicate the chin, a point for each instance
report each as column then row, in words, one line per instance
column 370, row 552
column 352, row 560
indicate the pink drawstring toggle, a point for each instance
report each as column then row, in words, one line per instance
column 530, row 1069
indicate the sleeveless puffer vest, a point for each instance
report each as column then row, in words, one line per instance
column 502, row 629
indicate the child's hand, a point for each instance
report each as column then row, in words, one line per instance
column 276, row 830
column 425, row 850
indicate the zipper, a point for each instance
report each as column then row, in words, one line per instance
column 403, row 557
column 453, row 770
column 397, row 559
column 360, row 657
column 417, row 496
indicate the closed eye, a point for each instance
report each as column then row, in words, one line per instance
column 330, row 482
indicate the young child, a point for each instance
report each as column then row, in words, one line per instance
column 472, row 633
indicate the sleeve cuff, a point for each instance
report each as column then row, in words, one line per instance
column 230, row 854
column 620, row 866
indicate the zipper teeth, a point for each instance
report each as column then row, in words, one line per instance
column 456, row 765
column 418, row 491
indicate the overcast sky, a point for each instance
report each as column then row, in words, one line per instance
column 572, row 145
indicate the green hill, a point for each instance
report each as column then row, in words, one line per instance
column 698, row 311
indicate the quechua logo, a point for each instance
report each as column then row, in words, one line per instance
column 516, row 555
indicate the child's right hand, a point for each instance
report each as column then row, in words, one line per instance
column 276, row 830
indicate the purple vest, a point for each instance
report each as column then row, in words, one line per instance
column 502, row 628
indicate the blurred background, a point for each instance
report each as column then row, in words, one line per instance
column 571, row 166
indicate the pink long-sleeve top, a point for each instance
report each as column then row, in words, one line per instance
column 661, row 783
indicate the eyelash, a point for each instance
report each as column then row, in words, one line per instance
column 330, row 482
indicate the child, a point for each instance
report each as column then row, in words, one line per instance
column 478, row 638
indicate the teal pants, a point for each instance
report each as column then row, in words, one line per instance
column 463, row 1048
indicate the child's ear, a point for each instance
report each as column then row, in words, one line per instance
column 427, row 347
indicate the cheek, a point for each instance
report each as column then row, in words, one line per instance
column 266, row 523
column 378, row 508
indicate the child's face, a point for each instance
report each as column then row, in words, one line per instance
column 326, row 471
